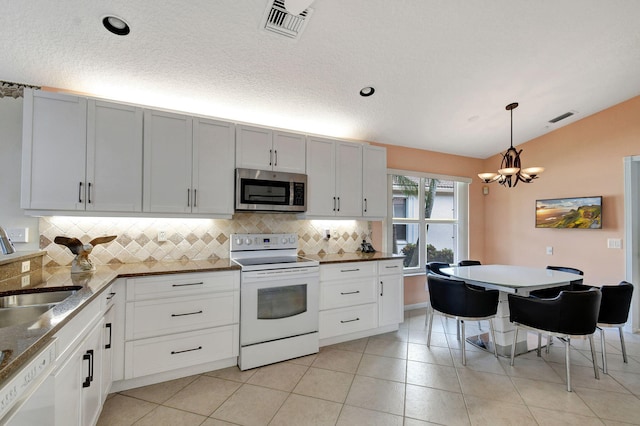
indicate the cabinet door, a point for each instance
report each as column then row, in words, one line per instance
column 213, row 170
column 390, row 300
column 107, row 351
column 349, row 179
column 77, row 397
column 167, row 162
column 289, row 152
column 321, row 179
column 114, row 157
column 374, row 181
column 254, row 148
column 54, row 139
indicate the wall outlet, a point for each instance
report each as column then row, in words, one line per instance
column 26, row 266
column 614, row 243
column 327, row 234
column 162, row 236
column 549, row 250
column 26, row 280
column 18, row 235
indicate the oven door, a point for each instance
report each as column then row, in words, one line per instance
column 278, row 303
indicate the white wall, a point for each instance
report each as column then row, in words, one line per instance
column 11, row 215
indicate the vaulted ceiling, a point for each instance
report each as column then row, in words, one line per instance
column 443, row 70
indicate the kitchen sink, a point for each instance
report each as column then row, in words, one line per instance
column 25, row 307
column 40, row 297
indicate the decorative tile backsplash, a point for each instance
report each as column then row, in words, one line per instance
column 194, row 239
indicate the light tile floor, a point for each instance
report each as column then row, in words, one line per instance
column 394, row 379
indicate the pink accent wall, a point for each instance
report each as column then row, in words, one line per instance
column 584, row 158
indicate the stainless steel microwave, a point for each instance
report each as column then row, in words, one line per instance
column 264, row 190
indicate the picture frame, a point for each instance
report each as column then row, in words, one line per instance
column 570, row 212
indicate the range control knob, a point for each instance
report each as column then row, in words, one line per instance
column 239, row 241
column 284, row 240
column 292, row 239
column 248, row 241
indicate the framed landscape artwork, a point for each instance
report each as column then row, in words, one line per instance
column 580, row 212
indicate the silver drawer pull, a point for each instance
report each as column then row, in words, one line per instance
column 350, row 270
column 186, row 350
column 110, row 296
column 357, row 319
column 350, row 292
column 188, row 313
column 183, row 285
column 391, row 267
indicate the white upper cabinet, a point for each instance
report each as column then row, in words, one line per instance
column 374, row 181
column 167, row 162
column 266, row 149
column 114, row 157
column 80, row 154
column 188, row 164
column 54, row 139
column 334, row 170
column 213, row 171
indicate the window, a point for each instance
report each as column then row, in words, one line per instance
column 429, row 218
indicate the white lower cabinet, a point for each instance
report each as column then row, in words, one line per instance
column 179, row 321
column 360, row 297
column 78, row 397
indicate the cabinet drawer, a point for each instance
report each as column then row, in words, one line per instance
column 336, row 322
column 149, row 318
column 166, row 353
column 181, row 285
column 347, row 271
column 388, row 267
column 338, row 294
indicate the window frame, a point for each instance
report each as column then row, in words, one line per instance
column 460, row 222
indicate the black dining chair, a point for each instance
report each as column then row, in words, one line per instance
column 614, row 311
column 455, row 299
column 469, row 263
column 548, row 293
column 436, row 268
column 571, row 313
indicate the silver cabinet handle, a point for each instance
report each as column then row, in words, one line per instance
column 350, row 270
column 188, row 313
column 89, row 192
column 352, row 320
column 334, row 204
column 338, row 203
column 365, row 205
column 270, row 157
column 391, row 267
column 350, row 292
column 186, row 350
column 381, row 288
column 276, row 162
column 80, row 192
column 195, row 197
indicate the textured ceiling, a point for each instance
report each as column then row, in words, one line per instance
column 443, row 70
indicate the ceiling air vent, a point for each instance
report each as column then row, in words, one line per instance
column 278, row 20
column 561, row 117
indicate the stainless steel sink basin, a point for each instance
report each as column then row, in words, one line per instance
column 13, row 316
column 26, row 307
column 36, row 298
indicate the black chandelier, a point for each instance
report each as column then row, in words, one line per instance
column 511, row 171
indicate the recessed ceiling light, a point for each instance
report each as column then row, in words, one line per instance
column 116, row 25
column 367, row 91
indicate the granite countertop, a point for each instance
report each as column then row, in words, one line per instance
column 352, row 257
column 18, row 343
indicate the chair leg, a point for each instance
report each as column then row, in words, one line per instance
column 567, row 361
column 463, row 344
column 604, row 351
column 594, row 358
column 624, row 348
column 480, row 325
column 539, row 343
column 549, row 341
column 430, row 326
column 458, row 329
column 513, row 345
column 493, row 338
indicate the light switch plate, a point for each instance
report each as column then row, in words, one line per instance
column 18, row 235
column 614, row 243
column 549, row 250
